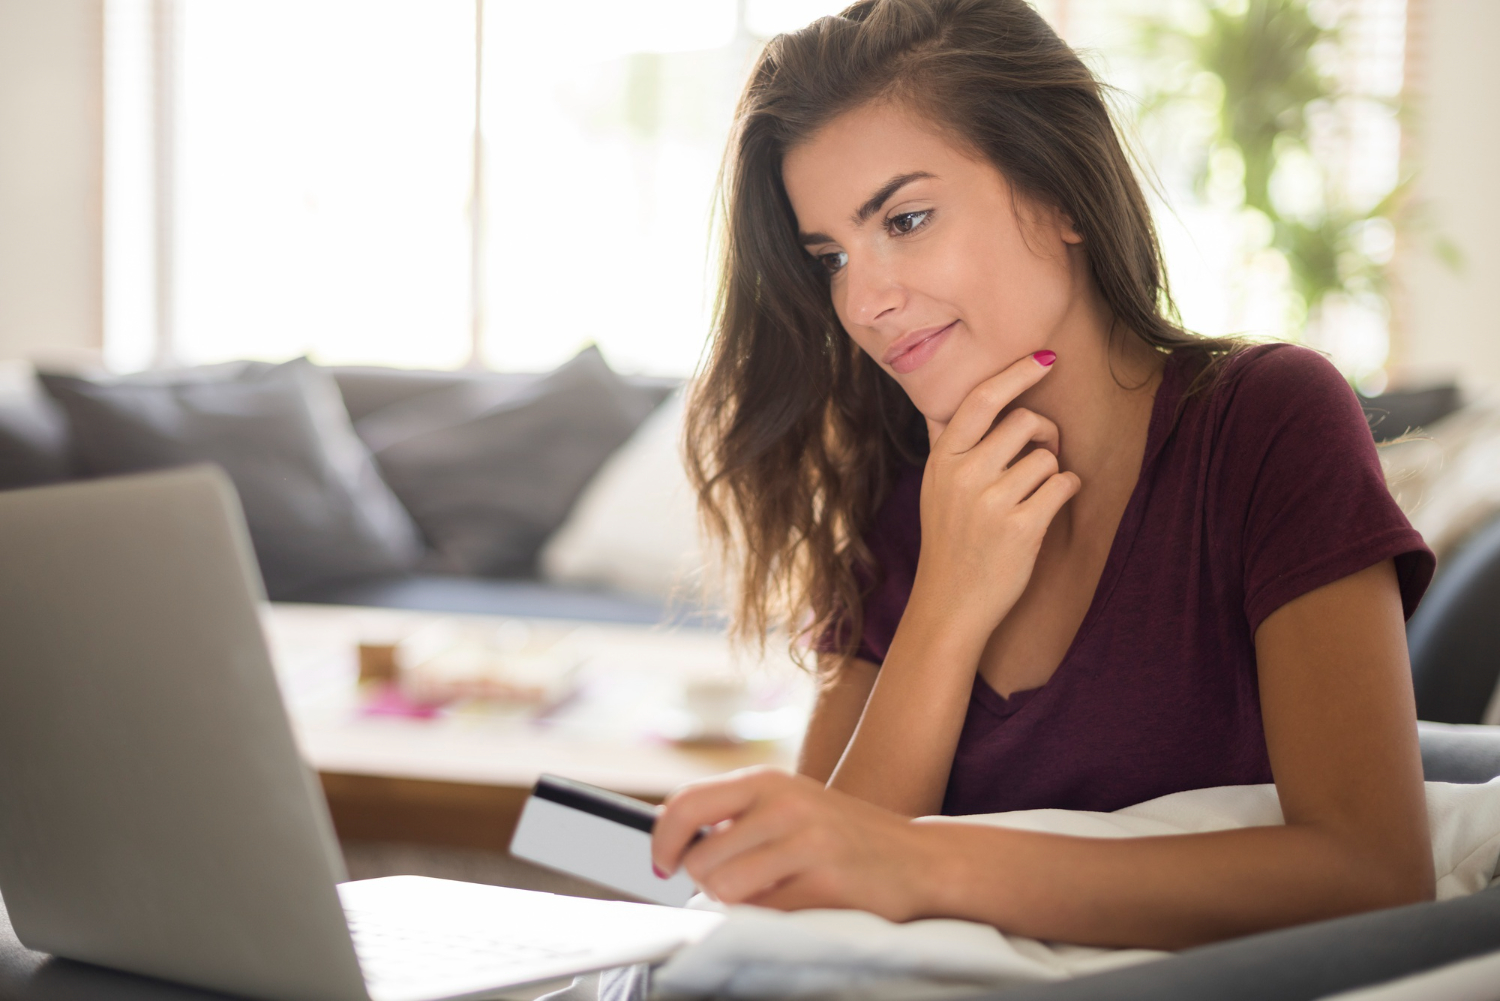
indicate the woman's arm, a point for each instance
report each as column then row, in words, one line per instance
column 1340, row 726
column 1339, row 718
column 843, row 691
column 902, row 746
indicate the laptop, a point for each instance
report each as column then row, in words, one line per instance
column 155, row 815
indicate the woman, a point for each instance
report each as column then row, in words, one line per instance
column 1058, row 552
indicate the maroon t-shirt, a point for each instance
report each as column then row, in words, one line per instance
column 1263, row 488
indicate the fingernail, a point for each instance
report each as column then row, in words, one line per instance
column 657, row 869
column 1044, row 358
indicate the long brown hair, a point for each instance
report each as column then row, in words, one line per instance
column 794, row 436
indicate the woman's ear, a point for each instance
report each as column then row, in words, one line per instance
column 1045, row 220
column 1067, row 229
column 1050, row 216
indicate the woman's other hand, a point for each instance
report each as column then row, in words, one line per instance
column 985, row 504
column 784, row 841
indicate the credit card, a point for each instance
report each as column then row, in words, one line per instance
column 597, row 835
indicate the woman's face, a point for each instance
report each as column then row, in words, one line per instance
column 936, row 269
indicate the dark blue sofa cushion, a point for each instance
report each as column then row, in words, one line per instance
column 484, row 596
column 519, row 598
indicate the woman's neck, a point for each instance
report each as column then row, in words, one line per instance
column 1100, row 396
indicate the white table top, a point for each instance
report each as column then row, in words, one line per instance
column 630, row 689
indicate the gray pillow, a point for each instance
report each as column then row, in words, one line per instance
column 317, row 508
column 33, row 441
column 489, row 469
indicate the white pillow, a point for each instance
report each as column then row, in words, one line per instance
column 635, row 526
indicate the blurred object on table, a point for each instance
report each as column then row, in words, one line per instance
column 510, row 662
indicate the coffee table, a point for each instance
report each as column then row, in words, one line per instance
column 459, row 776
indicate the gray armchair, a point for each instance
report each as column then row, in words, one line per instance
column 1327, row 957
column 1454, row 636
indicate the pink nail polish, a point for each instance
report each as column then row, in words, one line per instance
column 657, row 869
column 1044, row 358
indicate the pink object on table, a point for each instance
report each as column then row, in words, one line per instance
column 387, row 699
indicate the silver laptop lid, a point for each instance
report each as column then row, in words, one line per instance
column 154, row 813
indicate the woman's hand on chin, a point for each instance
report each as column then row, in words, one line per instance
column 984, row 510
column 784, row 841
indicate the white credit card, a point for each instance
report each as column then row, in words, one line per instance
column 597, row 835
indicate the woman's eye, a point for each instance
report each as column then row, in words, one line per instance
column 908, row 221
column 834, row 261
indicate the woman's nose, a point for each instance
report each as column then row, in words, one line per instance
column 870, row 292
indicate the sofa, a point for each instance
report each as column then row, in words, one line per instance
column 439, row 491
column 560, row 494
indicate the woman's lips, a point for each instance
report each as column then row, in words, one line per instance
column 905, row 359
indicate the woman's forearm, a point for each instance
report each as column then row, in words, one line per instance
column 902, row 749
column 1160, row 892
column 843, row 691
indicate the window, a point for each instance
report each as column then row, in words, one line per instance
column 1226, row 275
column 600, row 153
column 320, row 189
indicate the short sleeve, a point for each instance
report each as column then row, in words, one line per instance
column 1300, row 458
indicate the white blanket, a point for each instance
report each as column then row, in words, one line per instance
column 758, row 953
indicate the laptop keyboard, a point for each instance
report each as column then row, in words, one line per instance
column 402, row 952
column 419, row 938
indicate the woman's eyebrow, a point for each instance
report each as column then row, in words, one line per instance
column 887, row 189
column 872, row 205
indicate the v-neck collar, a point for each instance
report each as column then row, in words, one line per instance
column 1163, row 417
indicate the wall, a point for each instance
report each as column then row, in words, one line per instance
column 51, row 177
column 1452, row 323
